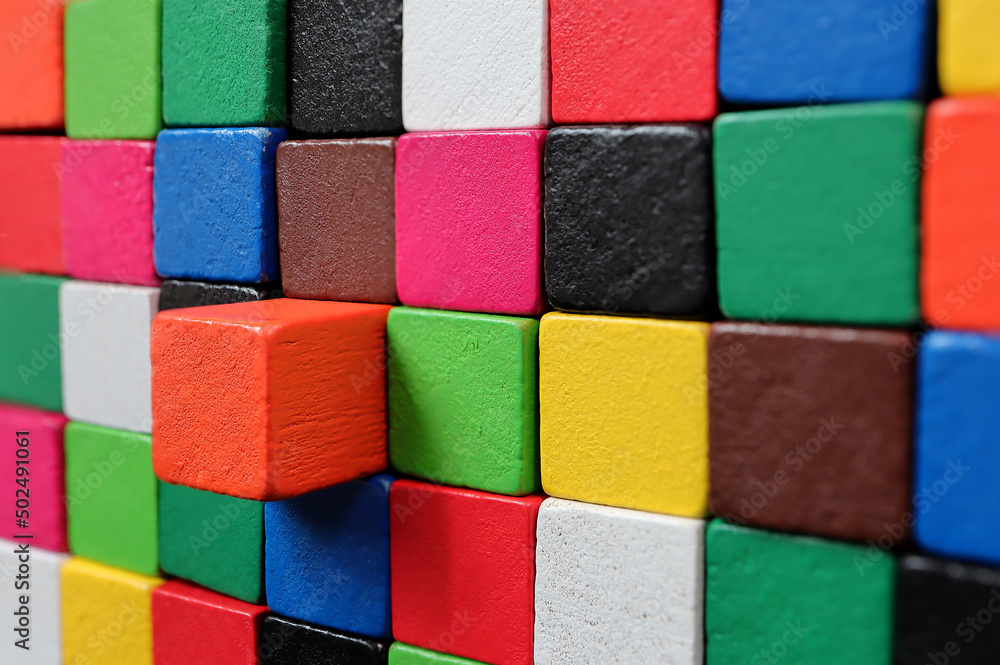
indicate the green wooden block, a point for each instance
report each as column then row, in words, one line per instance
column 214, row 540
column 112, row 56
column 817, row 213
column 30, row 349
column 773, row 597
column 223, row 62
column 463, row 399
column 404, row 654
column 111, row 497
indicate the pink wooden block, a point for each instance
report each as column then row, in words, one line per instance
column 107, row 200
column 46, row 472
column 469, row 221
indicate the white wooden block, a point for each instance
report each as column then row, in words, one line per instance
column 45, row 637
column 475, row 64
column 105, row 356
column 617, row 586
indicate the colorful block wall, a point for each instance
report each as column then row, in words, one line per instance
column 506, row 332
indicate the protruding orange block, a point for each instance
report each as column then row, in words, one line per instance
column 30, row 220
column 31, row 64
column 269, row 400
column 961, row 218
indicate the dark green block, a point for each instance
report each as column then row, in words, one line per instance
column 223, row 62
column 111, row 497
column 214, row 540
column 29, row 340
column 777, row 598
column 463, row 399
column 817, row 213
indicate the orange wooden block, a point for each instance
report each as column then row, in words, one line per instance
column 269, row 400
column 31, row 64
column 961, row 217
column 30, row 219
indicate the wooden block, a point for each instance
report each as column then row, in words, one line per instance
column 463, row 568
column 959, row 216
column 483, row 65
column 177, row 294
column 943, row 612
column 214, row 214
column 106, row 615
column 968, row 61
column 289, row 642
column 599, row 571
column 30, row 228
column 772, row 596
column 112, row 51
column 776, row 52
column 194, row 626
column 271, row 402
column 956, row 464
column 31, row 67
column 33, row 439
column 346, row 64
column 469, row 221
column 463, row 399
column 223, row 62
column 327, row 557
column 107, row 211
column 404, row 654
column 111, row 496
column 213, row 540
column 336, row 219
column 30, row 371
column 626, row 61
column 629, row 219
column 624, row 414
column 796, row 445
column 30, row 579
column 105, row 357
column 817, row 213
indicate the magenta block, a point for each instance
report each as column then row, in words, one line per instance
column 46, row 471
column 469, row 221
column 107, row 209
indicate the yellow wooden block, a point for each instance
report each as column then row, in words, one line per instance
column 106, row 615
column 968, row 53
column 624, row 412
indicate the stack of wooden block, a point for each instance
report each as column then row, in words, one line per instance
column 463, row 332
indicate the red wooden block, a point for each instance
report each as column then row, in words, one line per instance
column 31, row 64
column 616, row 61
column 30, row 228
column 194, row 626
column 463, row 571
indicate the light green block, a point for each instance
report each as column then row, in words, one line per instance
column 214, row 540
column 112, row 56
column 817, row 215
column 774, row 597
column 224, row 62
column 404, row 654
column 30, row 347
column 111, row 497
column 463, row 399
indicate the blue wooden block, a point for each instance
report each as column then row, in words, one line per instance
column 817, row 51
column 214, row 213
column 957, row 483
column 326, row 557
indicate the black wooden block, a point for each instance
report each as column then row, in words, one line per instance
column 175, row 293
column 345, row 66
column 289, row 642
column 628, row 219
column 947, row 613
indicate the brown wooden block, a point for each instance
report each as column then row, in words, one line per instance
column 810, row 429
column 336, row 219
